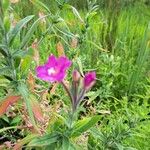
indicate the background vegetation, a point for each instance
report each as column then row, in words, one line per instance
column 111, row 37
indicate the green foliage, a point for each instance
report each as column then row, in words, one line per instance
column 112, row 39
column 83, row 125
column 13, row 33
column 117, row 130
column 12, row 56
column 45, row 140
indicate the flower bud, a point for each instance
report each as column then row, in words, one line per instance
column 76, row 76
column 89, row 80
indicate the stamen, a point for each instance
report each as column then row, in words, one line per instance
column 51, row 71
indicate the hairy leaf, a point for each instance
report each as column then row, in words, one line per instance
column 13, row 33
column 44, row 140
column 23, row 141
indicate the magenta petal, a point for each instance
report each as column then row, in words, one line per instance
column 89, row 80
column 54, row 70
column 59, row 77
column 41, row 70
column 64, row 63
column 52, row 61
column 42, row 73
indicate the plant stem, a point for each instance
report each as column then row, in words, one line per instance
column 81, row 96
column 71, row 116
column 74, row 89
column 68, row 92
column 71, row 119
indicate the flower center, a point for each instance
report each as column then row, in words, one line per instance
column 51, row 71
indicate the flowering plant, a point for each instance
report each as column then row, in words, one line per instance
column 55, row 71
column 63, row 131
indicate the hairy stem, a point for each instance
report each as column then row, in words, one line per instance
column 68, row 92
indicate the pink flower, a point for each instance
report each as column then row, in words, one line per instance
column 54, row 70
column 89, row 80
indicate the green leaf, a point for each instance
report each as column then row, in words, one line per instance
column 25, row 65
column 24, row 141
column 7, row 128
column 5, row 118
column 83, row 125
column 21, row 53
column 92, row 95
column 7, row 23
column 44, row 140
column 16, row 120
column 1, row 22
column 119, row 146
column 75, row 12
column 80, row 66
column 13, row 33
column 29, row 34
column 41, row 5
column 5, row 5
column 5, row 71
column 65, row 143
column 3, row 50
column 23, row 89
column 91, row 142
column 17, row 62
column 97, row 134
column 52, row 146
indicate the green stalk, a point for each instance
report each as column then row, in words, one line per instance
column 71, row 116
column 68, row 92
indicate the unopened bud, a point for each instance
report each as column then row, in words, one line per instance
column 76, row 76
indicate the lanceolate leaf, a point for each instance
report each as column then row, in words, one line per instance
column 41, row 5
column 29, row 34
column 12, row 34
column 44, row 140
column 4, row 104
column 21, row 53
column 97, row 134
column 5, row 5
column 1, row 22
column 5, row 71
column 76, row 13
column 3, row 50
column 24, row 141
column 80, row 66
column 83, row 125
column 25, row 65
column 66, row 144
column 26, row 96
column 8, row 128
